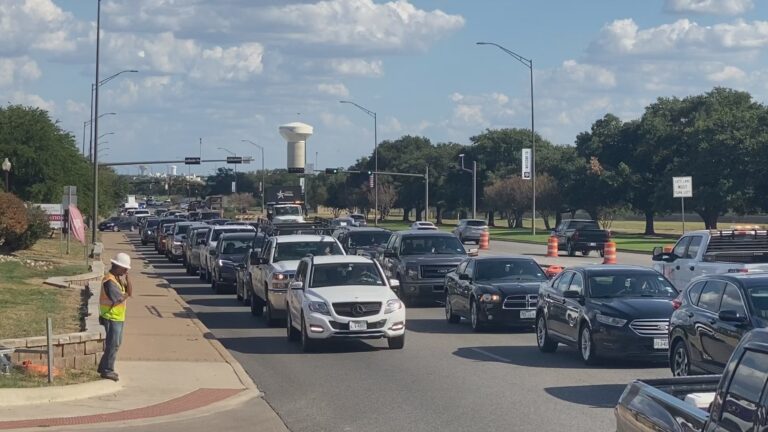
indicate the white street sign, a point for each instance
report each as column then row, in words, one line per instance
column 526, row 164
column 682, row 187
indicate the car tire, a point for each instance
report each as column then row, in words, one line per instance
column 680, row 360
column 269, row 314
column 208, row 276
column 291, row 332
column 257, row 306
column 397, row 342
column 451, row 317
column 307, row 344
column 585, row 252
column 115, row 229
column 238, row 294
column 474, row 317
column 570, row 249
column 215, row 286
column 544, row 342
column 587, row 345
column 602, row 253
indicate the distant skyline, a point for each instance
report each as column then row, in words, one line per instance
column 229, row 70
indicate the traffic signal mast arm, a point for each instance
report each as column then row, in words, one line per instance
column 340, row 171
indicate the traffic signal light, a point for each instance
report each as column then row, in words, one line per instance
column 331, row 170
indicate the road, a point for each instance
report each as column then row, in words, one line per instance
column 446, row 379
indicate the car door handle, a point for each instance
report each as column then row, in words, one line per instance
column 691, row 268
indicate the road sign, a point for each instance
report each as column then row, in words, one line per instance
column 191, row 161
column 234, row 159
column 296, row 170
column 526, row 164
column 682, row 187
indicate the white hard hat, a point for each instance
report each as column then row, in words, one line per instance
column 123, row 260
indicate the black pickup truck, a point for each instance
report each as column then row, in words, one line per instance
column 581, row 235
column 732, row 402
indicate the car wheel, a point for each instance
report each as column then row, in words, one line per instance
column 269, row 315
column 208, row 276
column 257, row 306
column 680, row 361
column 291, row 332
column 238, row 292
column 585, row 252
column 451, row 317
column 587, row 346
column 115, row 229
column 570, row 249
column 602, row 253
column 307, row 344
column 545, row 343
column 474, row 317
column 397, row 342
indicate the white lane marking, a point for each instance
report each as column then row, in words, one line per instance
column 492, row 355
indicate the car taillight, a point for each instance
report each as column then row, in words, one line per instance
column 676, row 303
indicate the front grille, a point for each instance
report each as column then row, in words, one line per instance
column 435, row 271
column 650, row 327
column 345, row 326
column 357, row 310
column 521, row 301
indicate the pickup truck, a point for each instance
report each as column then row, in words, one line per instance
column 732, row 402
column 706, row 252
column 581, row 235
column 272, row 269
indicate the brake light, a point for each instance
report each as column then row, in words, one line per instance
column 676, row 303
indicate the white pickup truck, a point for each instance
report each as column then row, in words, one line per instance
column 705, row 252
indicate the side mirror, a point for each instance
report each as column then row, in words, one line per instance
column 389, row 254
column 296, row 285
column 394, row 283
column 254, row 258
column 473, row 252
column 729, row 315
column 657, row 251
column 464, row 277
column 572, row 294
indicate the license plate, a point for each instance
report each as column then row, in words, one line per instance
column 358, row 325
column 661, row 343
column 593, row 244
column 527, row 314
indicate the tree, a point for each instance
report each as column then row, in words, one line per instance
column 549, row 200
column 241, row 201
column 13, row 219
column 511, row 195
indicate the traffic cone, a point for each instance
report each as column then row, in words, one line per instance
column 485, row 240
column 552, row 246
column 553, row 270
column 609, row 255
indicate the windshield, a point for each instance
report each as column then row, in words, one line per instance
column 152, row 223
column 584, row 225
column 337, row 274
column 631, row 285
column 362, row 239
column 218, row 233
column 759, row 298
column 476, row 223
column 235, row 246
column 517, row 270
column 440, row 245
column 287, row 211
column 297, row 250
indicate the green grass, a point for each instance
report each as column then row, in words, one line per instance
column 18, row 378
column 25, row 301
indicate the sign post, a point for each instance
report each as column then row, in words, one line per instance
column 69, row 198
column 682, row 187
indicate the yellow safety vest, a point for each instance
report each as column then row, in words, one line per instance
column 106, row 309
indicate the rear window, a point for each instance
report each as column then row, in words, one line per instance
column 218, row 233
column 295, row 251
column 585, row 225
column 182, row 229
column 474, row 223
column 152, row 223
column 235, row 245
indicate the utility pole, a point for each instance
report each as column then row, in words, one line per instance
column 95, row 213
column 426, row 194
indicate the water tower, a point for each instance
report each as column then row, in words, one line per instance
column 296, row 135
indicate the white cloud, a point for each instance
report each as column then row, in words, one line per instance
column 334, row 121
column 585, row 75
column 360, row 67
column 37, row 25
column 456, row 97
column 727, row 73
column 712, row 7
column 470, row 115
column 28, row 99
column 75, row 107
column 338, row 90
column 14, row 71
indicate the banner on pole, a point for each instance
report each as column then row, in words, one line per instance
column 76, row 224
column 526, row 164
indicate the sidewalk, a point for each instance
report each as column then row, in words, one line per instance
column 169, row 364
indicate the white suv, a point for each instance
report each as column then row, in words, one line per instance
column 343, row 297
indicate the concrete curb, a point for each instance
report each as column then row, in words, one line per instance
column 41, row 395
column 97, row 272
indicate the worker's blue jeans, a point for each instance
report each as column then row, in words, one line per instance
column 111, row 344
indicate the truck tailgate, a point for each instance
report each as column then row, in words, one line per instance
column 588, row 235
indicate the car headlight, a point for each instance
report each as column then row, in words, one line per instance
column 609, row 320
column 412, row 271
column 281, row 280
column 225, row 263
column 490, row 298
column 319, row 307
column 393, row 305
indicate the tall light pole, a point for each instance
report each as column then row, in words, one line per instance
column 95, row 118
column 529, row 64
column 233, row 154
column 93, row 89
column 375, row 157
column 474, row 184
column 263, row 184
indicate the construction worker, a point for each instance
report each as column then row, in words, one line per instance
column 115, row 290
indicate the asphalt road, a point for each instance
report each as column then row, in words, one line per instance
column 446, row 379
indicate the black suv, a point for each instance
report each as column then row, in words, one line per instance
column 711, row 316
column 606, row 311
column 366, row 241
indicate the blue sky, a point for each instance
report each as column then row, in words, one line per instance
column 229, row 70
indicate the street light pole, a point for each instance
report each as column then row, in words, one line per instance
column 474, row 184
column 375, row 157
column 95, row 213
column 263, row 174
column 93, row 89
column 529, row 64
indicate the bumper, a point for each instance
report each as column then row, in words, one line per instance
column 177, row 252
column 580, row 246
column 337, row 327
column 277, row 300
column 623, row 342
column 494, row 314
column 423, row 290
column 227, row 275
column 470, row 235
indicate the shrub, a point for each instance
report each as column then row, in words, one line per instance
column 13, row 218
column 38, row 227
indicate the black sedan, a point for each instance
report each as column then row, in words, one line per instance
column 115, row 223
column 229, row 253
column 712, row 314
column 606, row 311
column 494, row 291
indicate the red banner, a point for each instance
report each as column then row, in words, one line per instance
column 76, row 224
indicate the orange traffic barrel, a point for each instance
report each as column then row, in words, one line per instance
column 609, row 256
column 552, row 246
column 485, row 240
column 553, row 270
